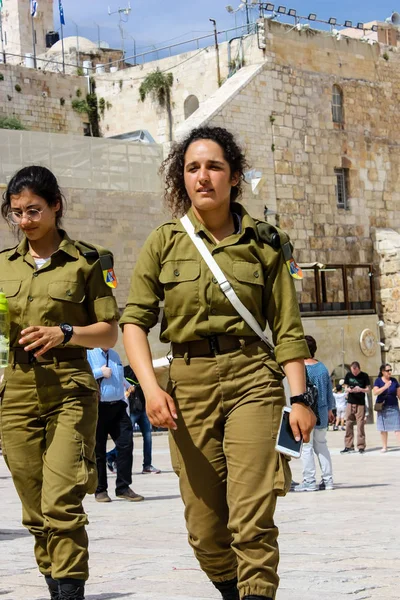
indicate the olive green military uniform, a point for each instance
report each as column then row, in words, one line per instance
column 49, row 405
column 229, row 400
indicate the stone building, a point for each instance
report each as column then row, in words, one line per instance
column 17, row 28
column 80, row 55
column 318, row 117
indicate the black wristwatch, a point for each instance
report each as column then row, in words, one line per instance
column 309, row 399
column 305, row 398
column 68, row 332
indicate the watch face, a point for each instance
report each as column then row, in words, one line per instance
column 368, row 343
column 66, row 327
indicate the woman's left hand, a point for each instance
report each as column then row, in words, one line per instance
column 41, row 339
column 331, row 416
column 302, row 421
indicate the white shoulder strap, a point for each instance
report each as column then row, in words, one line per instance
column 223, row 282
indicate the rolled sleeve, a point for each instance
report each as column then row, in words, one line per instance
column 283, row 314
column 291, row 351
column 146, row 291
column 102, row 305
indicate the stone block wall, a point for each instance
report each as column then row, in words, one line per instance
column 41, row 101
column 387, row 254
column 195, row 73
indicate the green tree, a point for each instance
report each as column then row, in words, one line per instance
column 158, row 85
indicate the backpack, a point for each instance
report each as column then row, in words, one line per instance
column 136, row 399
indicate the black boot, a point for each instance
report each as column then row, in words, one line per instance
column 228, row 589
column 53, row 588
column 72, row 589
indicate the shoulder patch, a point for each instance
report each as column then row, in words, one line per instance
column 279, row 239
column 105, row 257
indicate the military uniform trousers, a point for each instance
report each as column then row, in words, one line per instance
column 48, row 421
column 229, row 408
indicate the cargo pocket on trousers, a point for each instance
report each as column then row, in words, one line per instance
column 87, row 470
column 283, row 475
column 173, row 448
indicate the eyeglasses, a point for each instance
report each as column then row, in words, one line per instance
column 32, row 214
column 388, row 370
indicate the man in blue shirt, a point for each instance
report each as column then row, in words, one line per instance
column 114, row 421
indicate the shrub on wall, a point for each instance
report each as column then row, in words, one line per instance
column 11, row 123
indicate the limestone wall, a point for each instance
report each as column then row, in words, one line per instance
column 195, row 73
column 42, row 101
column 387, row 252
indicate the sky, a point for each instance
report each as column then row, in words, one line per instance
column 163, row 22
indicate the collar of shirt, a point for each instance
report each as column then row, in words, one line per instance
column 248, row 225
column 66, row 245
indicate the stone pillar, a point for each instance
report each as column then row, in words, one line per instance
column 387, row 259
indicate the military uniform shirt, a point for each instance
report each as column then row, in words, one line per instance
column 171, row 269
column 68, row 288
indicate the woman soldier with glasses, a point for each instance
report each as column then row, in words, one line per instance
column 60, row 304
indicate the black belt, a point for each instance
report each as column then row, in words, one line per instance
column 214, row 344
column 20, row 356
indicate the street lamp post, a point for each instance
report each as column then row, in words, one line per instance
column 214, row 22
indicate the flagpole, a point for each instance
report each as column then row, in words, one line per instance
column 62, row 48
column 1, row 33
column 33, row 41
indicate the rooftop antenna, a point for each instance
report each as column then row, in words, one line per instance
column 123, row 14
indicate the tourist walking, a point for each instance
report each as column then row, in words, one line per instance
column 387, row 392
column 318, row 375
column 114, row 421
column 357, row 385
column 225, row 396
column 60, row 304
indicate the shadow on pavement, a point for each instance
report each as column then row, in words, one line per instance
column 151, row 498
column 11, row 534
column 107, row 596
column 341, row 486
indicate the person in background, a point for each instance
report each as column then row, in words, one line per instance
column 137, row 410
column 60, row 304
column 318, row 375
column 357, row 385
column 387, row 390
column 340, row 396
column 114, row 421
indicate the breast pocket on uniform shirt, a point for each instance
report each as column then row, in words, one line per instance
column 11, row 289
column 248, row 283
column 66, row 300
column 181, row 287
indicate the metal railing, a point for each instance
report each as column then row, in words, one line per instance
column 141, row 58
column 336, row 295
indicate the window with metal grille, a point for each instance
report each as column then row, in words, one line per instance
column 337, row 104
column 342, row 198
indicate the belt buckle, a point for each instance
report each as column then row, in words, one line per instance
column 214, row 344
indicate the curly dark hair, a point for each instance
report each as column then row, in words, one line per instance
column 175, row 194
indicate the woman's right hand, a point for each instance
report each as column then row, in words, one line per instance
column 161, row 410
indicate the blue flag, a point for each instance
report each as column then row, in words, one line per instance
column 60, row 6
column 34, row 7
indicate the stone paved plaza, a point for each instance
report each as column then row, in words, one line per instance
column 334, row 545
